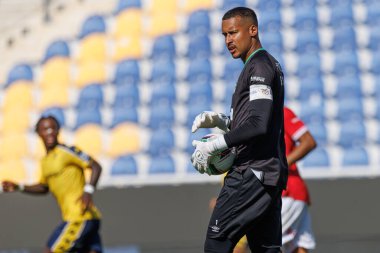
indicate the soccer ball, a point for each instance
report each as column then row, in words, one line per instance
column 222, row 161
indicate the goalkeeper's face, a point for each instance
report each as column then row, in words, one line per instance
column 48, row 131
column 239, row 34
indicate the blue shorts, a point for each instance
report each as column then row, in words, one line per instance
column 76, row 236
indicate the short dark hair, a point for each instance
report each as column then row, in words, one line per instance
column 242, row 12
column 47, row 117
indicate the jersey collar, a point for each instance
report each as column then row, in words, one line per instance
column 253, row 53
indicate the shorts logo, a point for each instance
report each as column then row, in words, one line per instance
column 257, row 79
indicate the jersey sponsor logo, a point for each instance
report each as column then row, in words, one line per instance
column 260, row 92
column 215, row 228
column 257, row 79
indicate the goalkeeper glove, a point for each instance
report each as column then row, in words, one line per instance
column 204, row 151
column 209, row 119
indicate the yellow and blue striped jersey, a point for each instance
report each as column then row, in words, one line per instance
column 63, row 172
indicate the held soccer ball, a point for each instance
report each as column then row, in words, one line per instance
column 222, row 161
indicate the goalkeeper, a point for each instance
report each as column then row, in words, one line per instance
column 250, row 199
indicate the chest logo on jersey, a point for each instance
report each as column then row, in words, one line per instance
column 257, row 79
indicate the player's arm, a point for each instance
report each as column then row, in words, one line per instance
column 305, row 144
column 89, row 188
column 9, row 186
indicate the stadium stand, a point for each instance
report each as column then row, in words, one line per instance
column 162, row 164
column 124, row 165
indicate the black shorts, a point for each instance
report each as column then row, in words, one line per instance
column 245, row 207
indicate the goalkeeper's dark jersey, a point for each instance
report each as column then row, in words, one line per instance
column 257, row 128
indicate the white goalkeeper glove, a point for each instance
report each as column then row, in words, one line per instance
column 204, row 150
column 209, row 119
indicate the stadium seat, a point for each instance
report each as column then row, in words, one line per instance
column 13, row 146
column 126, row 96
column 306, row 4
column 316, row 158
column 346, row 64
column 374, row 39
column 195, row 136
column 199, row 70
column 128, row 48
column 200, row 92
column 163, row 93
column 161, row 164
column 352, row 133
column 199, row 23
column 271, row 20
column 306, row 19
column 265, row 6
column 199, row 47
column 342, row 17
column 162, row 141
column 307, row 42
column 89, row 73
column 90, row 97
column 375, row 63
column 56, row 72
column 312, row 112
column 128, row 23
column 350, row 108
column 93, row 48
column 310, row 87
column 13, row 170
column 56, row 112
column 309, row 66
column 87, row 116
column 48, row 97
column 229, row 4
column 123, row 114
column 124, row 139
column 190, row 168
column 319, row 131
column 15, row 120
column 127, row 73
column 162, row 23
column 57, row 48
column 231, row 71
column 161, row 115
column 348, row 87
column 158, row 6
column 193, row 110
column 124, row 165
column 373, row 15
column 355, row 156
column 163, row 71
column 20, row 72
column 19, row 94
column 163, row 48
column 190, row 6
column 89, row 138
column 92, row 24
column 127, row 4
column 344, row 40
column 339, row 3
column 272, row 41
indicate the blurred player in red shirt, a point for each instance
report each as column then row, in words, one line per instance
column 297, row 234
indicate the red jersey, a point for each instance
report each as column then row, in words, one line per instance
column 294, row 129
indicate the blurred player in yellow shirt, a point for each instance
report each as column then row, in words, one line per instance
column 63, row 175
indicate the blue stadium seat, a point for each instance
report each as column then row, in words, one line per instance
column 162, row 141
column 199, row 23
column 161, row 115
column 306, row 4
column 190, row 168
column 373, row 15
column 126, row 4
column 127, row 72
column 265, row 6
column 163, row 93
column 124, row 165
column 271, row 20
column 126, row 96
column 92, row 24
column 350, row 108
column 339, row 3
column 57, row 113
column 86, row 116
column 317, row 158
column 163, row 71
column 309, row 66
column 375, row 63
column 355, row 156
column 200, row 70
column 232, row 69
column 352, row 133
column 319, row 131
column 90, row 96
column 348, row 87
column 272, row 41
column 124, row 114
column 310, row 87
column 229, row 4
column 306, row 19
column 161, row 164
column 56, row 48
column 199, row 47
column 195, row 136
column 346, row 64
column 342, row 17
column 374, row 38
column 344, row 40
column 20, row 72
column 163, row 48
column 194, row 109
column 200, row 93
column 312, row 112
column 307, row 42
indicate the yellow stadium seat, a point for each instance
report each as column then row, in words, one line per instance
column 89, row 139
column 13, row 146
column 162, row 23
column 158, row 6
column 90, row 72
column 35, row 174
column 194, row 5
column 54, row 96
column 128, row 24
column 13, row 170
column 37, row 149
column 15, row 120
column 56, row 71
column 93, row 48
column 124, row 139
column 19, row 94
column 130, row 48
